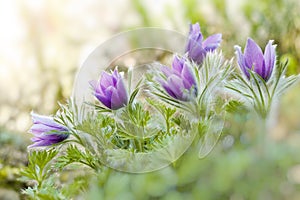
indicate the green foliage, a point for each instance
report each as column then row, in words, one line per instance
column 41, row 171
column 230, row 172
column 49, row 191
column 74, row 155
column 235, row 106
column 211, row 77
column 77, row 186
column 39, row 167
column 222, row 175
column 100, row 127
column 260, row 94
column 136, row 114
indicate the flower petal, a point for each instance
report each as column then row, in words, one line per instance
column 111, row 91
column 122, row 92
column 176, row 85
column 115, row 77
column 114, row 98
column 166, row 70
column 104, row 99
column 196, row 53
column 96, row 86
column 40, row 143
column 46, row 131
column 168, row 90
column 194, row 44
column 195, row 32
column 254, row 57
column 106, row 80
column 241, row 60
column 48, row 121
column 41, row 128
column 212, row 42
column 47, row 140
column 116, row 101
column 269, row 57
column 36, row 118
column 188, row 77
column 177, row 64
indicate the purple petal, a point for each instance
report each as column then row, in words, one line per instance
column 212, row 42
column 269, row 57
column 36, row 118
column 194, row 28
column 188, row 77
column 96, row 86
column 116, row 76
column 46, row 131
column 110, row 93
column 48, row 139
column 176, row 85
column 196, row 52
column 195, row 36
column 119, row 96
column 241, row 60
column 40, row 143
column 104, row 99
column 122, row 92
column 41, row 128
column 111, row 90
column 116, row 101
column 168, row 90
column 195, row 32
column 166, row 70
column 254, row 57
column 177, row 64
column 48, row 121
column 106, row 80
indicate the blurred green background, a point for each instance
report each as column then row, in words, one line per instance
column 43, row 44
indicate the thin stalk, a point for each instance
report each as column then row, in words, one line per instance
column 261, row 136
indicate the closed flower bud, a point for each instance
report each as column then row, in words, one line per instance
column 179, row 80
column 197, row 48
column 46, row 131
column 110, row 90
column 254, row 59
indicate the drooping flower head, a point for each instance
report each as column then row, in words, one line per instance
column 110, row 90
column 180, row 81
column 197, row 48
column 46, row 131
column 254, row 59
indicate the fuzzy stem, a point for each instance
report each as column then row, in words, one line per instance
column 261, row 136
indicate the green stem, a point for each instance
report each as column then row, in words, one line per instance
column 262, row 140
column 167, row 118
column 141, row 142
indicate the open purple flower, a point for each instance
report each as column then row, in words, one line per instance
column 180, row 82
column 110, row 90
column 254, row 59
column 46, row 131
column 196, row 47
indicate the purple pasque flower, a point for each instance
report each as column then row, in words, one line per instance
column 46, row 131
column 180, row 81
column 254, row 59
column 110, row 90
column 196, row 48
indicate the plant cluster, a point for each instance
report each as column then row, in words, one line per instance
column 150, row 125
